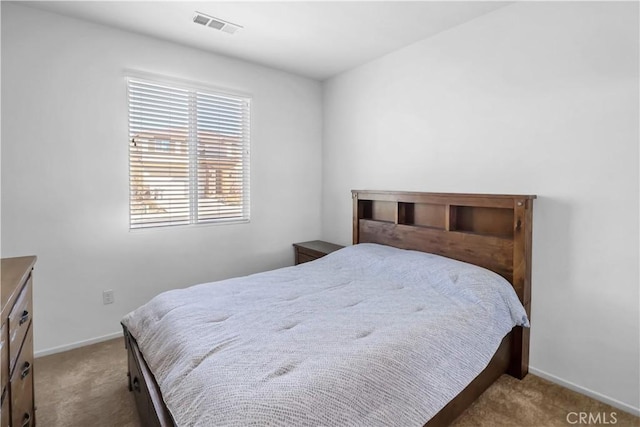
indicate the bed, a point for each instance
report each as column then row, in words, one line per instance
column 352, row 338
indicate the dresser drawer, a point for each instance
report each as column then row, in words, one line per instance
column 312, row 250
column 22, row 386
column 302, row 257
column 19, row 321
column 310, row 253
column 4, row 412
column 4, row 358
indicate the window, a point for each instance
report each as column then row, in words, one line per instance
column 188, row 155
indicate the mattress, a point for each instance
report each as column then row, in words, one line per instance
column 367, row 336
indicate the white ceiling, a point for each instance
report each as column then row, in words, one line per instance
column 317, row 39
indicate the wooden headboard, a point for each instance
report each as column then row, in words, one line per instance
column 492, row 231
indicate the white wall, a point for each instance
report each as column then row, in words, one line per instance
column 65, row 172
column 534, row 98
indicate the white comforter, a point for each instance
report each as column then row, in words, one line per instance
column 367, row 336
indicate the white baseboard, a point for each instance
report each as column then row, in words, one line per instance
column 77, row 344
column 582, row 390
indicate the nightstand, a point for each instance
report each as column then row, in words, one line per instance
column 309, row 251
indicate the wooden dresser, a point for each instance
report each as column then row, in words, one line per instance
column 16, row 343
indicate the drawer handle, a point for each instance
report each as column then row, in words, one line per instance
column 26, row 420
column 136, row 384
column 24, row 318
column 25, row 370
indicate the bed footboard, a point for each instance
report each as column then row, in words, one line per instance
column 151, row 408
column 154, row 413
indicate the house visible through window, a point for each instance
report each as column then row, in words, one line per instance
column 188, row 155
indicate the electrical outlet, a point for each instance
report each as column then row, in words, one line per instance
column 107, row 296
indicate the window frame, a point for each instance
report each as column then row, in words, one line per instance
column 192, row 87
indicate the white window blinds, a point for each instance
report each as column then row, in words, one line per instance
column 188, row 155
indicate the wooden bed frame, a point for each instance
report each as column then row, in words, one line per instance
column 492, row 231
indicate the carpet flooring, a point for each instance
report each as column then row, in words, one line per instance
column 88, row 387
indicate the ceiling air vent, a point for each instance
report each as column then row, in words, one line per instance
column 215, row 23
